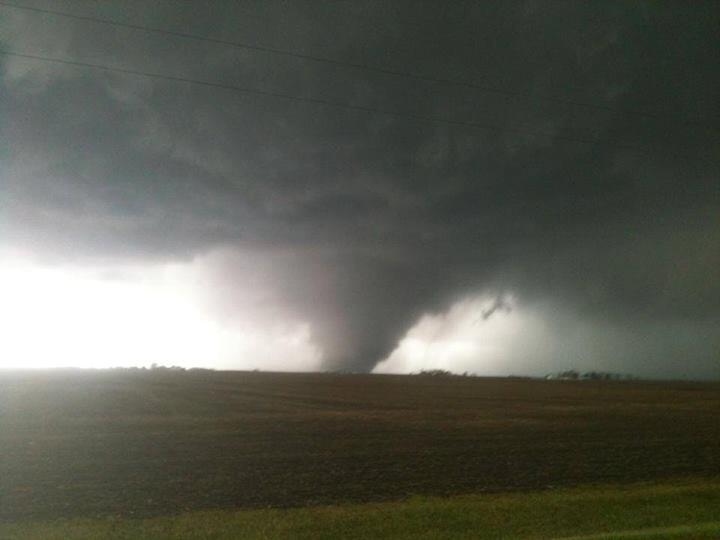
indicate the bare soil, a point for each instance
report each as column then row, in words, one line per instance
column 121, row 443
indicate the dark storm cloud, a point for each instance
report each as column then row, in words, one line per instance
column 377, row 219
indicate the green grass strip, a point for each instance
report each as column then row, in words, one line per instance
column 648, row 511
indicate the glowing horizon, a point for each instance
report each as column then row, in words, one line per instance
column 104, row 317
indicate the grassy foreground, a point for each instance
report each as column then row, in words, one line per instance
column 689, row 509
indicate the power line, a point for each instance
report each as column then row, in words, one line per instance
column 353, row 65
column 316, row 101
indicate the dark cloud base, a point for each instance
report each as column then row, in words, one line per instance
column 371, row 220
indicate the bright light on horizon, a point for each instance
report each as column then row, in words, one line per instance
column 101, row 317
column 471, row 336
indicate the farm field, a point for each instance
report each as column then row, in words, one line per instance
column 138, row 444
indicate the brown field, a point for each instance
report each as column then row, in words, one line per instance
column 114, row 443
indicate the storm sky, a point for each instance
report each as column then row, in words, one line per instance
column 558, row 207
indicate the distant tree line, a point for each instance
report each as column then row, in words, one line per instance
column 159, row 367
column 573, row 375
column 435, row 373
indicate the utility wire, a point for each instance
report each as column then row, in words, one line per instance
column 353, row 65
column 318, row 101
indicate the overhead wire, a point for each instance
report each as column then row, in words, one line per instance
column 354, row 65
column 325, row 102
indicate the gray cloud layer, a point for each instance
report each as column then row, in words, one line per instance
column 364, row 222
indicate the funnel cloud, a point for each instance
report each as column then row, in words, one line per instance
column 589, row 182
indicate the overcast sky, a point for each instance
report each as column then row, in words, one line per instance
column 560, row 211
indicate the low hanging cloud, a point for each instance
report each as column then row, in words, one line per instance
column 359, row 225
